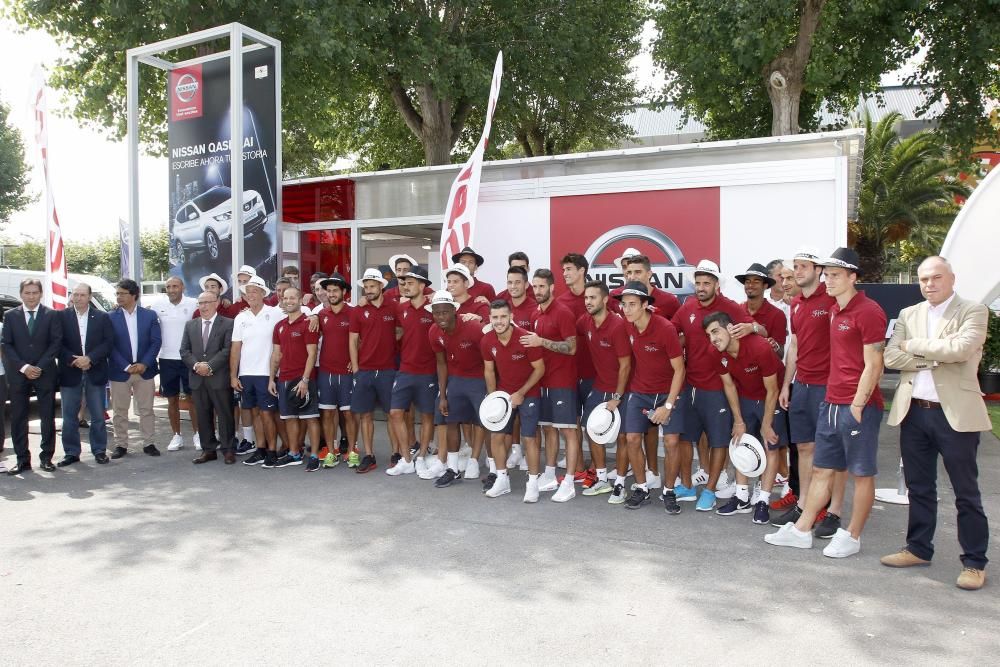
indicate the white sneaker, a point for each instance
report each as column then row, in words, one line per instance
column 464, row 454
column 725, row 488
column 500, row 487
column 567, row 491
column 531, row 492
column 197, row 442
column 789, row 536
column 652, row 481
column 420, row 466
column 434, row 470
column 402, row 467
column 613, row 475
column 176, row 442
column 472, row 469
column 523, row 465
column 617, row 496
column 547, row 483
column 700, row 478
column 516, row 456
column 842, row 545
column 561, row 463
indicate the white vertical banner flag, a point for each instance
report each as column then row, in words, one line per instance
column 463, row 199
column 56, row 281
column 125, row 268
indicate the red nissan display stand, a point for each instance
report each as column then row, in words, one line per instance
column 323, row 250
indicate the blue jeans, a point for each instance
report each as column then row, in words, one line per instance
column 71, row 399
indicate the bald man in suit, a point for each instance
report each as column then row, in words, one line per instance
column 936, row 345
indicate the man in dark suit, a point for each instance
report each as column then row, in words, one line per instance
column 83, row 374
column 132, row 366
column 205, row 351
column 32, row 336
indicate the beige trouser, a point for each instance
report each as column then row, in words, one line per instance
column 121, row 398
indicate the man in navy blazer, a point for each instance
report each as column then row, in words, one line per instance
column 83, row 374
column 132, row 366
column 32, row 336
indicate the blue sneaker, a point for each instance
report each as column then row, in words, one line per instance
column 684, row 494
column 706, row 501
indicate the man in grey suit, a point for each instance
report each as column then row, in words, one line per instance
column 205, row 351
column 936, row 345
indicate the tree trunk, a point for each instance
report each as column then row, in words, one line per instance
column 872, row 256
column 785, row 75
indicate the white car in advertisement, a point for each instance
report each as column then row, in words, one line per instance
column 205, row 222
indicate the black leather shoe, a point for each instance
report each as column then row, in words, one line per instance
column 119, row 452
column 101, row 458
column 68, row 461
column 151, row 450
column 19, row 468
column 46, row 465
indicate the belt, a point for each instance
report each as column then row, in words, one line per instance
column 927, row 405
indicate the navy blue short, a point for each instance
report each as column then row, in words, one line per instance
column 419, row 390
column 174, row 378
column 753, row 416
column 640, row 408
column 803, row 411
column 707, row 412
column 529, row 411
column 335, row 390
column 289, row 411
column 371, row 387
column 255, row 393
column 583, row 389
column 844, row 444
column 559, row 408
column 465, row 395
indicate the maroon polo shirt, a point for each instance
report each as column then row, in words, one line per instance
column 607, row 343
column 415, row 354
column 334, row 354
column 575, row 304
column 556, row 323
column 652, row 350
column 861, row 322
column 754, row 362
column 377, row 328
column 811, row 328
column 292, row 338
column 702, row 357
column 460, row 348
column 771, row 318
column 511, row 361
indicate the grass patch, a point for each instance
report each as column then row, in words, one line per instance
column 994, row 410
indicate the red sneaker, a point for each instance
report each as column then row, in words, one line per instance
column 590, row 478
column 784, row 503
column 819, row 518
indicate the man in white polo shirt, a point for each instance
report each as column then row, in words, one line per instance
column 174, row 311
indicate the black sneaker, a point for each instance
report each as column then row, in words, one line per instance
column 735, row 506
column 827, row 527
column 288, row 460
column 488, row 481
column 447, row 479
column 313, row 464
column 367, row 464
column 342, row 447
column 670, row 504
column 639, row 497
column 414, row 448
column 394, row 459
column 245, row 447
column 761, row 513
column 791, row 516
column 259, row 456
column 270, row 459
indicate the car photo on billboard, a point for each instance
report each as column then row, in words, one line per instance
column 205, row 222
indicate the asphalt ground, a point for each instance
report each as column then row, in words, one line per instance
column 156, row 561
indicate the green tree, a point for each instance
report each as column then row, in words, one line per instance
column 394, row 82
column 759, row 67
column 155, row 246
column 14, row 175
column 82, row 258
column 908, row 190
column 27, row 256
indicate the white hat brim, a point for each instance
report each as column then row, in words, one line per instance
column 753, row 443
column 267, row 290
column 216, row 277
column 380, row 279
column 495, row 426
column 609, row 436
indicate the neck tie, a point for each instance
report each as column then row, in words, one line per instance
column 31, row 322
column 204, row 335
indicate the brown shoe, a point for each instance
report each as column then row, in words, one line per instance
column 971, row 579
column 903, row 559
column 206, row 457
column 230, row 457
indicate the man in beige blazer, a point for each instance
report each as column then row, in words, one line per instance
column 937, row 345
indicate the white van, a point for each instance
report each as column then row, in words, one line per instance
column 103, row 292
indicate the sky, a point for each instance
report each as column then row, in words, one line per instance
column 89, row 172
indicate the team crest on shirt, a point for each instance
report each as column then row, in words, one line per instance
column 691, row 318
column 367, row 314
column 406, row 314
column 725, row 362
column 590, row 335
column 494, row 351
column 631, row 340
column 441, row 340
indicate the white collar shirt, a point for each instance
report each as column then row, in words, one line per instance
column 923, row 383
column 173, row 317
column 81, row 321
column 132, row 324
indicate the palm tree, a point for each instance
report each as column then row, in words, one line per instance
column 907, row 186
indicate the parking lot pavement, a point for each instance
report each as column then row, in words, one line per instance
column 156, row 561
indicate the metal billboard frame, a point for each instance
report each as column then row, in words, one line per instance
column 150, row 54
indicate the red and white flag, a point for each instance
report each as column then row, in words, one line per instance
column 56, row 281
column 463, row 200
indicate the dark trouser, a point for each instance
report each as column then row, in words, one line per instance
column 212, row 404
column 924, row 434
column 3, row 411
column 20, row 394
column 793, row 469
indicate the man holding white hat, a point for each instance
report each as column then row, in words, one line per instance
column 520, row 369
column 249, row 368
column 174, row 312
column 706, row 411
column 751, row 376
column 373, row 360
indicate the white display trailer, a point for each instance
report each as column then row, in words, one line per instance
column 735, row 202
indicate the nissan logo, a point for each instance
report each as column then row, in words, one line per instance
column 187, row 86
column 671, row 277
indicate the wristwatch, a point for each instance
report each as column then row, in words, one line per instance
column 755, row 327
column 616, row 396
column 668, row 405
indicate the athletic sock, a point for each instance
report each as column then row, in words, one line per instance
column 531, row 478
column 501, row 473
column 764, row 495
column 550, row 471
column 602, row 474
column 643, row 487
column 453, row 461
column 493, row 464
column 743, row 492
column 248, row 433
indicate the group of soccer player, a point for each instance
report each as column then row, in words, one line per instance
column 692, row 377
